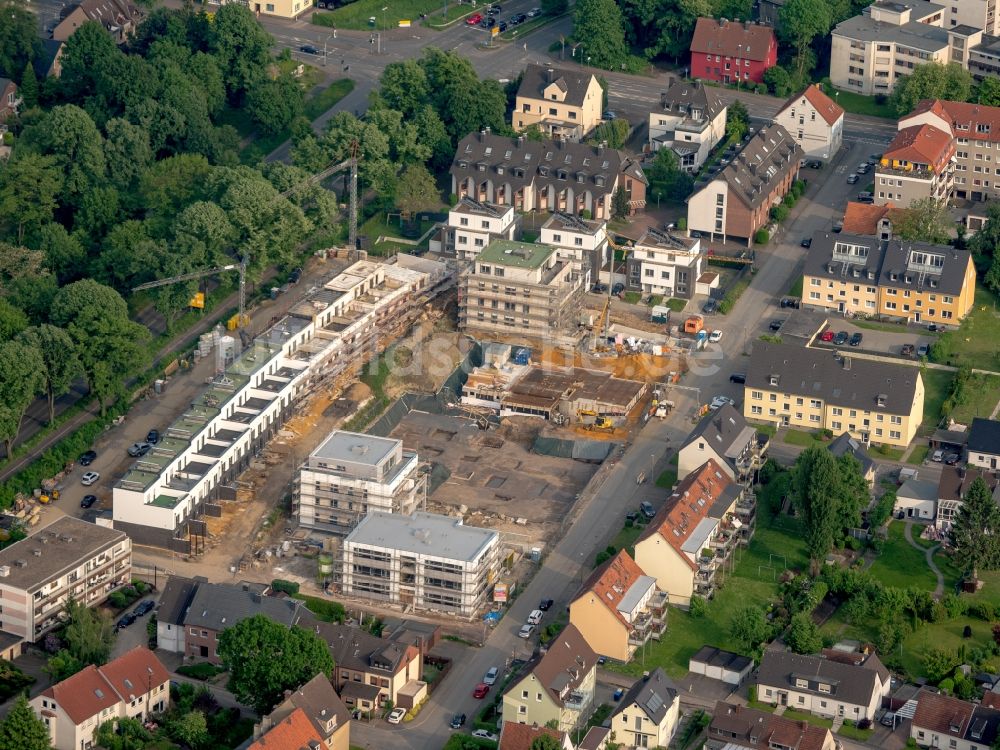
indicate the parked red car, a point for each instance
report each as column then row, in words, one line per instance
column 474, row 19
column 826, row 336
column 481, row 690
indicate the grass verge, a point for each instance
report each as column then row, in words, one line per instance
column 937, row 384
column 858, row 104
column 974, row 342
column 667, row 479
column 917, row 455
column 795, row 290
column 803, row 438
column 357, row 15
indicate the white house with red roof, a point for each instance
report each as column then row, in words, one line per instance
column 132, row 686
column 815, row 121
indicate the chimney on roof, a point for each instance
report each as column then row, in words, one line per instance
column 520, row 141
column 482, row 134
column 747, row 26
column 550, row 74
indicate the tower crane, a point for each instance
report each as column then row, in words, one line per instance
column 242, row 319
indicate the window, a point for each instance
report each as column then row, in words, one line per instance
column 269, row 7
column 755, row 410
column 756, row 395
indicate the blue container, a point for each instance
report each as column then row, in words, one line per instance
column 522, row 356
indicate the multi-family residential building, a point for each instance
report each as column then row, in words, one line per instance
column 793, row 386
column 369, row 671
column 10, row 99
column 983, row 448
column 908, row 281
column 163, row 498
column 648, row 713
column 872, row 51
column 119, row 17
column 691, row 121
column 972, row 132
column 848, row 685
column 521, row 289
column 423, row 560
column 313, row 713
column 68, row 558
column 953, row 486
column 558, row 686
column 193, row 613
column 551, row 175
column 350, row 474
column 741, row 728
column 984, row 58
column 725, row 437
column 732, row 51
column 666, row 264
column 473, row 225
column 947, row 722
column 582, row 240
column 815, row 121
column 619, row 609
column 133, row 686
column 560, row 103
column 917, row 164
column 689, row 543
column 737, row 201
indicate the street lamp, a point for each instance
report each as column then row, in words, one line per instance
column 325, row 42
column 385, row 26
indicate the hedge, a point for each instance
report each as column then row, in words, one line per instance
column 733, row 295
column 325, row 609
column 288, row 587
column 761, row 237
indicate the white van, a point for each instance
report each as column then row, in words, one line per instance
column 535, row 617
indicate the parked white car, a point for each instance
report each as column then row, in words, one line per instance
column 89, row 478
column 715, row 337
column 491, row 676
column 396, row 715
column 484, row 735
column 719, row 401
column 535, row 617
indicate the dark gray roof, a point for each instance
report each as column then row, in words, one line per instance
column 821, row 261
column 43, row 63
column 217, row 606
column 900, row 272
column 984, row 435
column 726, row 431
column 537, row 78
column 654, row 696
column 176, row 598
column 846, row 444
column 716, row 657
column 525, row 162
column 842, row 381
column 849, row 683
column 765, row 160
column 320, row 702
column 684, row 97
column 357, row 649
column 4, row 83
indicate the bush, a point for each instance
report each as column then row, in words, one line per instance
column 790, row 199
column 288, row 587
column 324, row 609
column 586, row 215
column 761, row 237
column 698, row 608
column 733, row 295
column 682, row 223
column 779, row 213
column 202, row 671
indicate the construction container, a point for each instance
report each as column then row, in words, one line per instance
column 522, row 356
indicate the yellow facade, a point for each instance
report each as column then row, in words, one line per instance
column 553, row 108
column 280, row 8
column 806, row 412
column 664, row 563
column 600, row 627
column 840, row 295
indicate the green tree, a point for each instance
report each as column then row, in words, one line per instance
column 122, row 734
column 64, row 254
column 62, row 665
column 60, row 365
column 22, row 729
column 463, row 102
column 241, row 47
column 87, row 55
column 29, row 186
column 737, row 121
column 938, row 663
column 127, row 153
column 778, row 81
column 975, row 534
column 925, row 220
column 801, row 21
column 19, row 41
column 190, row 729
column 619, row 203
column 851, row 493
column 273, row 104
column 266, row 658
column 932, row 81
column 545, row 742
column 666, row 179
column 599, row 25
column 403, row 87
column 803, row 636
column 29, row 90
column 416, row 190
column 89, row 635
column 988, row 92
column 69, row 135
column 20, row 381
column 12, row 319
column 749, row 628
column 814, row 483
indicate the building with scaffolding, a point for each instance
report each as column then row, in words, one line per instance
column 165, row 497
column 665, row 264
column 350, row 474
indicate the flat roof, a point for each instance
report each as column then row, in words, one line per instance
column 63, row 544
column 516, row 254
column 356, row 447
column 422, row 534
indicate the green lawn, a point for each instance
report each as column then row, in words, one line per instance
column 327, row 97
column 852, row 732
column 884, row 451
column 858, row 104
column 377, row 226
column 625, row 539
column 356, row 15
column 803, row 438
column 632, row 298
column 900, row 564
column 795, row 290
column 937, row 384
column 776, row 546
column 525, row 28
column 918, row 454
column 791, row 713
column 667, row 479
column 945, row 635
column 676, row 305
column 983, row 393
column 974, row 342
column 873, row 325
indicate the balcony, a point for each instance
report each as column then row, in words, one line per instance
column 577, row 701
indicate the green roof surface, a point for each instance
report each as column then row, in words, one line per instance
column 516, row 254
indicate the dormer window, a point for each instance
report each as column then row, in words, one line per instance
column 881, row 399
column 500, row 169
column 562, row 174
column 543, row 171
column 773, row 379
column 581, row 177
column 599, row 180
column 481, row 167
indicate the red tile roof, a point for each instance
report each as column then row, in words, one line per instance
column 611, row 581
column 687, row 505
column 826, row 107
column 863, row 218
column 83, row 695
column 134, row 672
column 294, row 732
column 520, row 736
column 921, row 144
column 942, row 713
column 747, row 41
column 974, row 121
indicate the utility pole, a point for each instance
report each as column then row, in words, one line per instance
column 353, row 225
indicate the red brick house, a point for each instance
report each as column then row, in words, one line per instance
column 732, row 51
column 10, row 99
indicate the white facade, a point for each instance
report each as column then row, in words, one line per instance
column 424, row 560
column 211, row 443
column 668, row 265
column 473, row 225
column 350, row 474
column 818, row 137
column 574, row 238
column 67, row 558
column 917, row 498
column 633, row 727
column 690, row 121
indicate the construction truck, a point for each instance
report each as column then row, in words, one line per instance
column 694, row 325
column 602, row 423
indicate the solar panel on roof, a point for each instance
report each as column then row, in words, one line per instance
column 654, row 703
